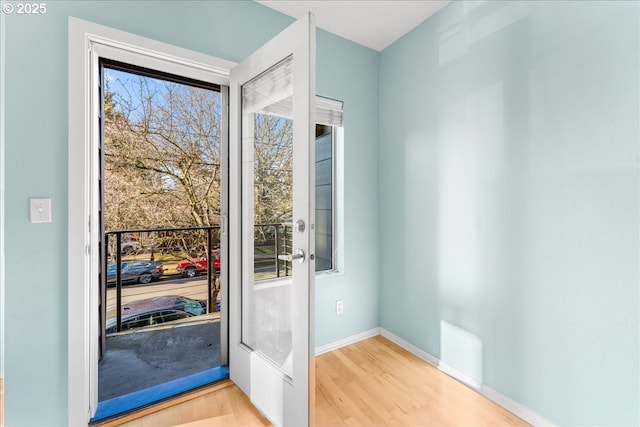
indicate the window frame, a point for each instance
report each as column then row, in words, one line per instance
column 329, row 112
column 333, row 268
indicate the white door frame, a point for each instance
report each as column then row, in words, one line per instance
column 87, row 43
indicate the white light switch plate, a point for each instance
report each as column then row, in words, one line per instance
column 40, row 210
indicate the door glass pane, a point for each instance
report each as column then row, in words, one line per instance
column 267, row 139
column 162, row 191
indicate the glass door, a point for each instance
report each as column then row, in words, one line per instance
column 272, row 96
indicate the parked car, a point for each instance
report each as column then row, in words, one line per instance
column 155, row 311
column 194, row 266
column 140, row 271
column 130, row 247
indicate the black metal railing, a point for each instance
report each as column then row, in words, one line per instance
column 185, row 246
column 179, row 243
column 271, row 241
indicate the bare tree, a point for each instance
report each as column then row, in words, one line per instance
column 162, row 155
column 273, row 170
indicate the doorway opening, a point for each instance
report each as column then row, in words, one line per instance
column 162, row 190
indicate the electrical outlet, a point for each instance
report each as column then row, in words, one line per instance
column 339, row 306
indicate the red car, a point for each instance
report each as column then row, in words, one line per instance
column 194, row 266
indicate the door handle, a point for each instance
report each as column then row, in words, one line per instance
column 223, row 225
column 298, row 255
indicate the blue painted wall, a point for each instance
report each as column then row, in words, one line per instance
column 35, row 309
column 490, row 218
column 508, row 202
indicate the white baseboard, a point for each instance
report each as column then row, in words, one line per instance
column 427, row 357
column 325, row 348
column 432, row 360
column 510, row 405
column 520, row 410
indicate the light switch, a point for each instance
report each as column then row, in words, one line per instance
column 40, row 210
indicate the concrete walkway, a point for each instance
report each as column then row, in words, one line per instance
column 145, row 358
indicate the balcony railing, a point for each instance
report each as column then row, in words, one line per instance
column 168, row 261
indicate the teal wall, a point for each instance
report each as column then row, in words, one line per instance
column 35, row 309
column 491, row 217
column 508, row 202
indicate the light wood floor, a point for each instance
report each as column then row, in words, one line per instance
column 370, row 383
column 375, row 382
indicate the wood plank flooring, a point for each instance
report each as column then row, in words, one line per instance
column 377, row 383
column 370, row 383
column 226, row 406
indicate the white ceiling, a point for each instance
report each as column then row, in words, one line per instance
column 372, row 23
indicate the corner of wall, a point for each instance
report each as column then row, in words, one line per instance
column 379, row 188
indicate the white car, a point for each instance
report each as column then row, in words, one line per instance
column 130, row 247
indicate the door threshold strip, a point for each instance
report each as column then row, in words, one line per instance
column 143, row 398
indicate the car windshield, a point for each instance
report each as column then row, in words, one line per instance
column 112, row 267
column 137, row 264
column 193, row 307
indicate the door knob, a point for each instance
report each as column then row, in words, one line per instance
column 298, row 255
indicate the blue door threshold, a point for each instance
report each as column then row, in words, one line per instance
column 138, row 399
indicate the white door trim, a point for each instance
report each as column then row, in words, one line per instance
column 87, row 43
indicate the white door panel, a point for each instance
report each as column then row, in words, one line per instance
column 272, row 128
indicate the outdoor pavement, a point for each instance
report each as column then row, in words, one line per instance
column 145, row 358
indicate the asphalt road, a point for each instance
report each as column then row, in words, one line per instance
column 175, row 284
column 195, row 287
